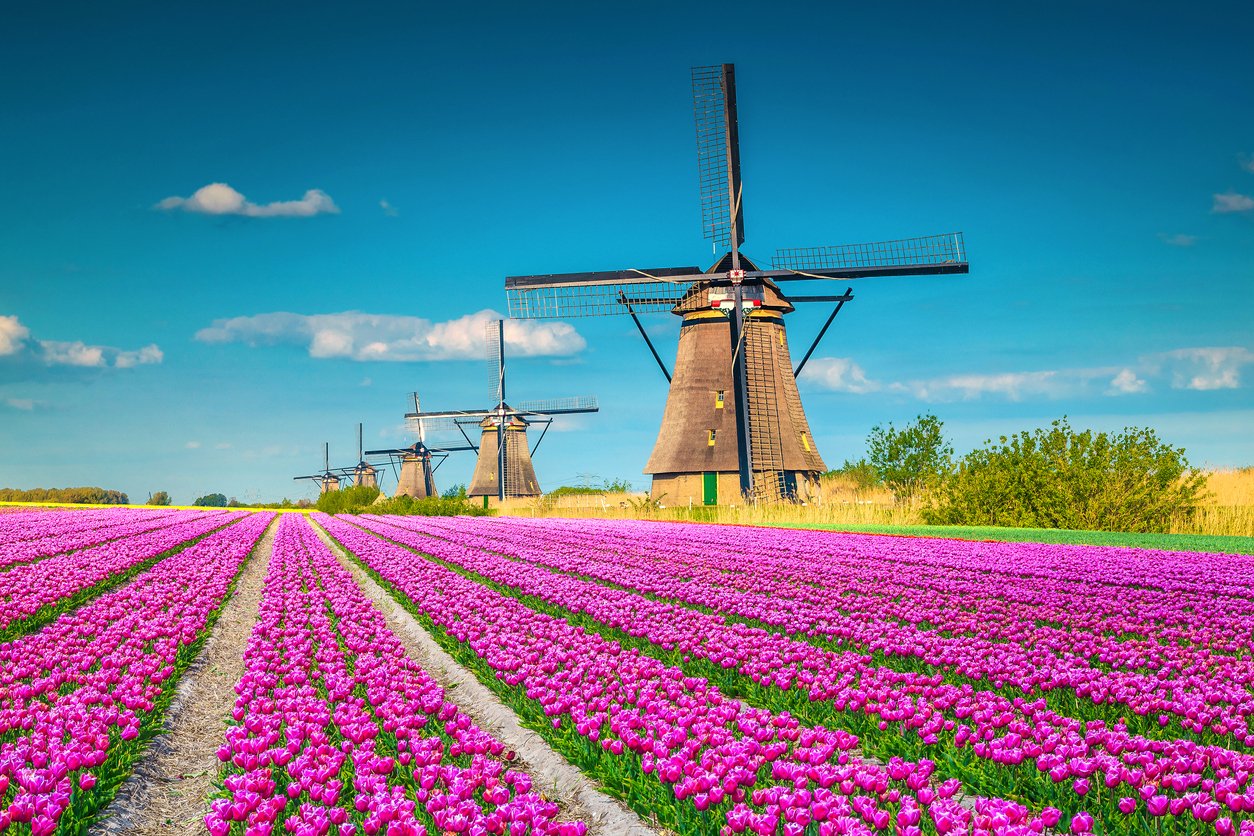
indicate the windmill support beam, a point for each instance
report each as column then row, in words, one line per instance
column 462, row 430
column 640, row 327
column 740, row 394
column 840, row 303
column 543, row 432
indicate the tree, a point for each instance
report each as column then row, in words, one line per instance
column 911, row 459
column 159, row 498
column 454, row 492
column 1061, row 478
column 213, row 500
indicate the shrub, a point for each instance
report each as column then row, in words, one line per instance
column 348, row 501
column 1061, row 478
column 912, row 459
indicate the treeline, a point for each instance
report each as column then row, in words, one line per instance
column 78, row 496
column 1056, row 477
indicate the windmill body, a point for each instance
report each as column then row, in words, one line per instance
column 520, row 474
column 416, row 465
column 695, row 459
column 734, row 428
column 503, row 470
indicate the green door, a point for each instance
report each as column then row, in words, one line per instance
column 710, row 485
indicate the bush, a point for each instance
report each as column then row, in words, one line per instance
column 213, row 500
column 1059, row 478
column 912, row 459
column 361, row 500
column 432, row 506
column 348, row 501
column 159, row 498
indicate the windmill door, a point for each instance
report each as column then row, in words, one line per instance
column 709, row 488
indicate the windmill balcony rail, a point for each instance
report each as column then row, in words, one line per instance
column 947, row 248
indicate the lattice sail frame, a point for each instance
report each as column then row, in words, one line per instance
column 718, row 156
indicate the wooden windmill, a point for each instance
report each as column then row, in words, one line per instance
column 734, row 424
column 504, row 470
column 328, row 480
column 415, row 465
column 364, row 473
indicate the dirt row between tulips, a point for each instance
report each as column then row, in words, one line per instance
column 168, row 793
column 560, row 781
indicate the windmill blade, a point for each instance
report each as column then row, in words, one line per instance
column 494, row 334
column 421, row 426
column 718, row 154
column 558, row 406
column 944, row 253
column 605, row 293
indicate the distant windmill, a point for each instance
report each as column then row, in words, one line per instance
column 327, row 480
column 732, row 345
column 364, row 473
column 418, row 463
column 505, row 470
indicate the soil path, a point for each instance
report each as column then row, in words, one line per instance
column 168, row 792
column 554, row 775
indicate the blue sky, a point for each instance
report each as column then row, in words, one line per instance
column 384, row 170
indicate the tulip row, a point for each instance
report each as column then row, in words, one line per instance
column 670, row 744
column 1092, row 647
column 994, row 744
column 338, row 730
column 59, row 533
column 17, row 524
column 79, row 698
column 32, row 594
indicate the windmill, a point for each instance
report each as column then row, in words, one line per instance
column 364, row 473
column 417, row 463
column 733, row 423
column 327, row 480
column 504, row 470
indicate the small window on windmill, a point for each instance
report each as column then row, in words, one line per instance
column 711, row 438
column 718, row 399
column 805, row 441
column 781, row 336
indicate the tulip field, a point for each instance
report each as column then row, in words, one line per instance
column 714, row 679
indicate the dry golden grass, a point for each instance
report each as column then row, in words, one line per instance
column 1227, row 509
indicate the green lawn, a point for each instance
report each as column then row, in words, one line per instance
column 1169, row 542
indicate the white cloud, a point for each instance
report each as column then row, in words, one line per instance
column 75, row 353
column 1177, row 240
column 222, row 445
column 192, row 445
column 1247, row 162
column 1230, row 202
column 1200, row 369
column 12, row 335
column 24, row 404
column 1126, row 383
column 221, row 199
column 840, row 374
column 145, row 356
column 385, row 337
column 1205, row 369
column 1013, row 386
column 388, row 209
